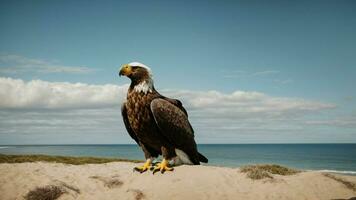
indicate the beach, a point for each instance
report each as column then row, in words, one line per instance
column 116, row 180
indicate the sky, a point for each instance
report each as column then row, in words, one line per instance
column 246, row 71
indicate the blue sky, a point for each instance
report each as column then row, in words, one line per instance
column 302, row 51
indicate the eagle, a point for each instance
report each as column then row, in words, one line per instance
column 158, row 124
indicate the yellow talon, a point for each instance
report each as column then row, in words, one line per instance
column 145, row 167
column 163, row 166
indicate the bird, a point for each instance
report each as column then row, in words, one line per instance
column 158, row 124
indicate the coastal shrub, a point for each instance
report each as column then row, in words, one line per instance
column 49, row 192
column 265, row 171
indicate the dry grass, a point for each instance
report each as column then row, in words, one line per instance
column 347, row 184
column 352, row 198
column 109, row 182
column 113, row 183
column 265, row 171
column 139, row 195
column 70, row 187
column 60, row 159
column 49, row 192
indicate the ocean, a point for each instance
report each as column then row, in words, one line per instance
column 340, row 158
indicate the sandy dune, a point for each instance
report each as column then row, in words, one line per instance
column 118, row 181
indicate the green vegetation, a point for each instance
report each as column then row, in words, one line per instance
column 265, row 171
column 60, row 159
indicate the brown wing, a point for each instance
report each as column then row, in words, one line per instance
column 177, row 103
column 174, row 125
column 127, row 124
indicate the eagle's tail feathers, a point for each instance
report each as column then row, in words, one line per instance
column 202, row 158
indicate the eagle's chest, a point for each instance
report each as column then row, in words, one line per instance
column 139, row 113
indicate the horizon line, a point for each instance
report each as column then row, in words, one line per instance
column 197, row 144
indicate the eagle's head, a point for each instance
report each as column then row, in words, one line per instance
column 140, row 75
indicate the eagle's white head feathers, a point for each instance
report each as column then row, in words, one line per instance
column 138, row 64
column 147, row 85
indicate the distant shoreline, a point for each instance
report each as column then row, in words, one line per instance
column 326, row 157
column 81, row 160
column 197, row 144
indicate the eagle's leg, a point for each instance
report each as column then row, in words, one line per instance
column 148, row 164
column 164, row 165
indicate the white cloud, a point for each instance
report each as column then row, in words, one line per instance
column 71, row 111
column 240, row 103
column 283, row 81
column 14, row 64
column 245, row 74
column 341, row 122
column 15, row 93
column 264, row 73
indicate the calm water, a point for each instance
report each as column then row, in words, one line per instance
column 338, row 157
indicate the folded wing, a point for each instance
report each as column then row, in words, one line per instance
column 175, row 127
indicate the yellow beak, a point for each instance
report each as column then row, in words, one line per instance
column 125, row 70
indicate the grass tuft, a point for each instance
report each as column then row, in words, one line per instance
column 49, row 192
column 139, row 195
column 109, row 182
column 60, row 159
column 113, row 183
column 70, row 187
column 265, row 171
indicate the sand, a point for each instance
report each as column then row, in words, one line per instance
column 118, row 181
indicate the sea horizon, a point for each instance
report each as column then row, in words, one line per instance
column 327, row 157
column 65, row 144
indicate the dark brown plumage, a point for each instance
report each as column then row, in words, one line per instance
column 158, row 124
